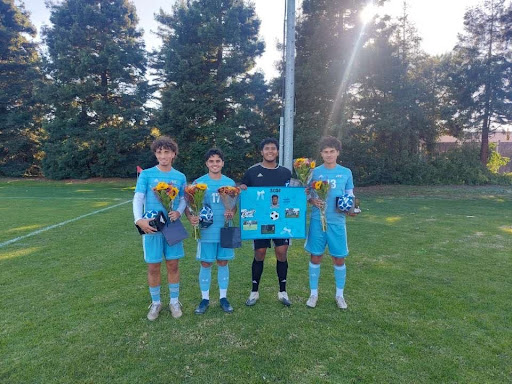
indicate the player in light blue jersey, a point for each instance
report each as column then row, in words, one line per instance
column 341, row 182
column 153, row 243
column 208, row 246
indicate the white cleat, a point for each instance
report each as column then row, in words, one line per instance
column 154, row 311
column 340, row 302
column 253, row 298
column 311, row 303
column 175, row 310
column 283, row 298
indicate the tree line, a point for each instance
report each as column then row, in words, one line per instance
column 89, row 99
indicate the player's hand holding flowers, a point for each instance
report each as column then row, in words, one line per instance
column 194, row 194
column 303, row 169
column 321, row 190
column 166, row 193
column 229, row 196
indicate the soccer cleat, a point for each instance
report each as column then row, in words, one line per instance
column 154, row 311
column 283, row 298
column 175, row 310
column 311, row 303
column 202, row 307
column 226, row 307
column 340, row 302
column 253, row 298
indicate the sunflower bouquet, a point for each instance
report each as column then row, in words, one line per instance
column 194, row 194
column 304, row 169
column 229, row 196
column 166, row 193
column 321, row 189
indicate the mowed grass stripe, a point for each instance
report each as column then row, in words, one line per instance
column 8, row 242
column 31, row 205
column 60, row 198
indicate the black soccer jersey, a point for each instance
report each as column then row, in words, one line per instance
column 259, row 176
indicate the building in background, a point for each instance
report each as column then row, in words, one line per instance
column 502, row 139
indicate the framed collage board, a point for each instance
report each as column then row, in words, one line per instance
column 273, row 213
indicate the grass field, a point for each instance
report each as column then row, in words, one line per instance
column 429, row 288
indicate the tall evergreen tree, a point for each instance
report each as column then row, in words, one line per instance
column 96, row 62
column 208, row 95
column 481, row 81
column 329, row 37
column 393, row 103
column 20, row 130
column 368, row 84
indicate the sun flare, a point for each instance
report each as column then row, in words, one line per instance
column 369, row 12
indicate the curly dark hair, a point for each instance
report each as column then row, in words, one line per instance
column 164, row 142
column 330, row 142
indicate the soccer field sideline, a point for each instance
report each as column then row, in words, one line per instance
column 8, row 242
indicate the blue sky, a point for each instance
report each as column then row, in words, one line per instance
column 437, row 21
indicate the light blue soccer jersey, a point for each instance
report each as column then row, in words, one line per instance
column 340, row 179
column 149, row 178
column 212, row 197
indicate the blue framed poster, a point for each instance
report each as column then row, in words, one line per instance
column 273, row 213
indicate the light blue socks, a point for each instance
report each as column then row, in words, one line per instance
column 223, row 279
column 155, row 294
column 205, row 278
column 340, row 274
column 174, row 292
column 314, row 276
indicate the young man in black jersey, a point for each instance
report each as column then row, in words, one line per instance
column 268, row 174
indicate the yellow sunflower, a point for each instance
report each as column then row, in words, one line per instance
column 161, row 186
column 173, row 193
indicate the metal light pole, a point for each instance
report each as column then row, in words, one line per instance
column 289, row 94
column 281, row 140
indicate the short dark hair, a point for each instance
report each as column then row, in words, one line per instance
column 275, row 196
column 330, row 142
column 269, row 140
column 164, row 142
column 212, row 152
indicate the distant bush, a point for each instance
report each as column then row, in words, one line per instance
column 496, row 161
column 460, row 166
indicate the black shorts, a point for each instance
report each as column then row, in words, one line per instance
column 265, row 243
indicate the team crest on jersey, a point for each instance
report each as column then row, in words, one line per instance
column 259, row 175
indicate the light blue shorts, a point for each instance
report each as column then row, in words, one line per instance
column 209, row 252
column 155, row 247
column 335, row 238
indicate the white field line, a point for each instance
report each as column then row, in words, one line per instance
column 60, row 198
column 60, row 224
